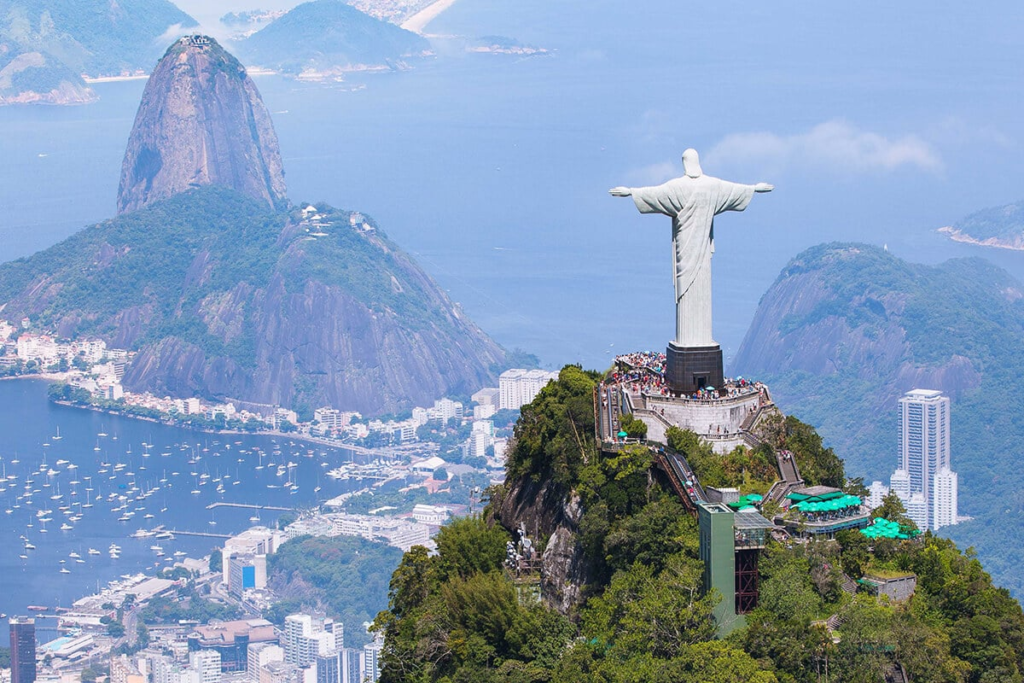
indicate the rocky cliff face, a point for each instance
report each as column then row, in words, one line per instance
column 201, row 122
column 546, row 511
column 806, row 324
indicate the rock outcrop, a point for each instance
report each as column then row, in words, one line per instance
column 201, row 122
column 547, row 511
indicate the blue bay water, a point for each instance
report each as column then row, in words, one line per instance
column 175, row 463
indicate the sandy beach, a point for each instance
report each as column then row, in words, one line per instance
column 418, row 22
column 115, row 79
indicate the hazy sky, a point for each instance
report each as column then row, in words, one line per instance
column 207, row 11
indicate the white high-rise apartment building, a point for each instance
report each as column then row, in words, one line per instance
column 899, row 483
column 307, row 637
column 206, row 664
column 259, row 655
column 371, row 661
column 296, row 628
column 876, row 492
column 944, row 502
column 518, row 387
column 167, row 671
column 917, row 509
column 924, row 424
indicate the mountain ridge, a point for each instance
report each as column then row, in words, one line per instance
column 225, row 298
column 46, row 46
column 846, row 329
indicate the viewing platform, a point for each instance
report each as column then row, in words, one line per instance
column 725, row 416
column 816, row 511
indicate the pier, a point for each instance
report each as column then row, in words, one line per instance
column 249, row 506
column 204, row 534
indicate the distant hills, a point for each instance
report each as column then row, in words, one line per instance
column 46, row 46
column 329, row 37
column 229, row 292
column 847, row 328
column 1001, row 226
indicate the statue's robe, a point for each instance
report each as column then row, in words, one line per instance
column 693, row 204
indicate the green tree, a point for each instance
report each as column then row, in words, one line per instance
column 634, row 427
column 554, row 435
column 786, row 588
column 892, row 509
column 216, row 561
column 854, row 555
column 661, row 529
column 468, row 545
column 641, row 611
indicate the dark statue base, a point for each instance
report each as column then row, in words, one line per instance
column 688, row 370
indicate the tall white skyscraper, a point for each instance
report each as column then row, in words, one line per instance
column 944, row 503
column 924, row 423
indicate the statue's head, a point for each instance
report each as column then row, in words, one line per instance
column 691, row 163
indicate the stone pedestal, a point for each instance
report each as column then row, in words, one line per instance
column 690, row 369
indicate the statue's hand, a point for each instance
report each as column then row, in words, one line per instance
column 763, row 187
column 620, row 192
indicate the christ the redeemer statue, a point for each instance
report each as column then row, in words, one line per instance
column 693, row 201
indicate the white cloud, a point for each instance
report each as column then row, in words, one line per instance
column 833, row 145
column 173, row 32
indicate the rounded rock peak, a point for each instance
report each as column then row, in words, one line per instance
column 201, row 122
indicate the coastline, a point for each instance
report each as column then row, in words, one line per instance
column 296, row 436
column 114, row 79
column 993, row 242
column 418, row 22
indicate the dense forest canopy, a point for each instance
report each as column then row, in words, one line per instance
column 458, row 616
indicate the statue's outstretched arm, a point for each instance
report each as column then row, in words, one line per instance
column 620, row 191
column 763, row 187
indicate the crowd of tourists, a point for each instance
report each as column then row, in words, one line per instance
column 641, row 372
